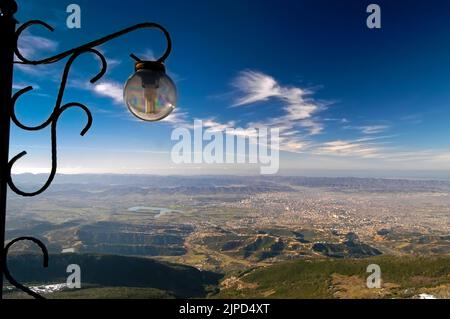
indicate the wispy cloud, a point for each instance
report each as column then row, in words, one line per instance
column 32, row 47
column 29, row 44
column 383, row 151
column 258, row 87
column 419, row 158
column 255, row 87
column 298, row 110
column 298, row 114
column 349, row 149
column 178, row 118
column 110, row 89
column 373, row 129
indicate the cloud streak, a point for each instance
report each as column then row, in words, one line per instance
column 298, row 113
column 373, row 129
column 349, row 149
column 259, row 87
column 110, row 89
column 29, row 44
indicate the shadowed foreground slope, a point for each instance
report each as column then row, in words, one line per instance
column 116, row 271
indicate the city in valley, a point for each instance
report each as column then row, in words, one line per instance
column 239, row 236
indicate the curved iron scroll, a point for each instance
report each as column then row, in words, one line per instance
column 92, row 44
column 7, row 273
column 58, row 110
column 53, row 120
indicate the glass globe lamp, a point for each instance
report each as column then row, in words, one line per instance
column 149, row 93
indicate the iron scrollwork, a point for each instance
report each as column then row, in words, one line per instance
column 58, row 110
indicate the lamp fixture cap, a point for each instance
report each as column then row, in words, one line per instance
column 150, row 65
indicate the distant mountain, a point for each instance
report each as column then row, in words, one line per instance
column 370, row 184
column 224, row 184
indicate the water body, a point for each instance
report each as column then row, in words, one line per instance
column 160, row 211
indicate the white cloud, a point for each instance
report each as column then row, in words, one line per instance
column 298, row 110
column 299, row 113
column 256, row 87
column 110, row 89
column 313, row 126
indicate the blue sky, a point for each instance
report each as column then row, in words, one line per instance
column 344, row 97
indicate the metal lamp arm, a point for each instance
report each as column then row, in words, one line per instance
column 9, row 36
column 89, row 45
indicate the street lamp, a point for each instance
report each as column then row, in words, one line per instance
column 149, row 94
